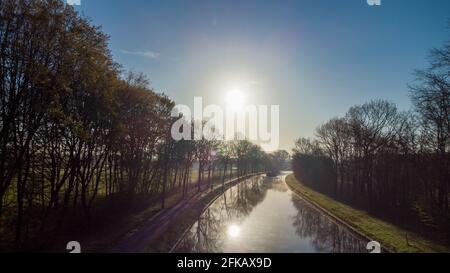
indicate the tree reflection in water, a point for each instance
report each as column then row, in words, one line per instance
column 220, row 224
column 325, row 234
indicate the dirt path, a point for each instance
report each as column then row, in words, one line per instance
column 146, row 235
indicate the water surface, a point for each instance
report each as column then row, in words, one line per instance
column 262, row 215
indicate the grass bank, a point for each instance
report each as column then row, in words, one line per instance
column 390, row 236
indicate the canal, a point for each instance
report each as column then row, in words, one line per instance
column 262, row 215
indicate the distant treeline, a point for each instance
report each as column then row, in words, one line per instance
column 75, row 130
column 395, row 164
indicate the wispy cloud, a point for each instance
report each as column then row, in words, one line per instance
column 147, row 54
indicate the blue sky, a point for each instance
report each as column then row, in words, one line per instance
column 314, row 58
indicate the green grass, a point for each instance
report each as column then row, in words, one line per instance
column 390, row 236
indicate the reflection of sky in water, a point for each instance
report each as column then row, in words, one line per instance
column 268, row 228
column 262, row 215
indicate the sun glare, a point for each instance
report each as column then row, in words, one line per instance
column 235, row 100
column 234, row 231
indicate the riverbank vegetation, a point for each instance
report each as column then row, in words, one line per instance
column 393, row 164
column 390, row 236
column 83, row 143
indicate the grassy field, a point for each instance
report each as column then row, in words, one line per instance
column 389, row 236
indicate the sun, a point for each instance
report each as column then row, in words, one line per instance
column 234, row 231
column 235, row 100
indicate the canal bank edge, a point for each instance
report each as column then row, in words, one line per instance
column 198, row 208
column 392, row 238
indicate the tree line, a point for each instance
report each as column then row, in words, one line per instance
column 393, row 163
column 76, row 129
